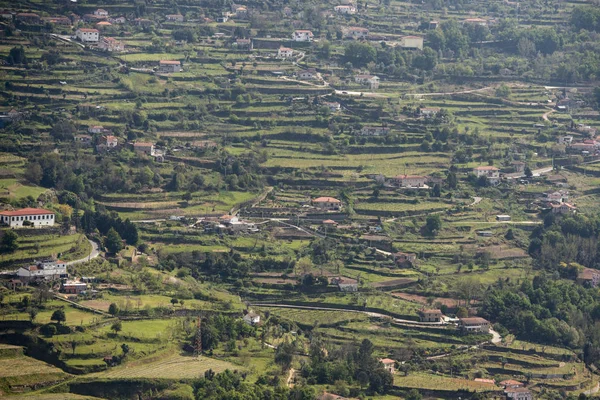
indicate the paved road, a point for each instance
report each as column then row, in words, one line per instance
column 496, row 337
column 94, row 253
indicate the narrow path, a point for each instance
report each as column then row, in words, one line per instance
column 93, row 254
column 290, row 377
column 81, row 306
column 545, row 116
column 476, row 200
column 593, row 390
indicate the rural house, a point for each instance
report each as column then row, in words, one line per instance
column 285, row 52
column 327, row 204
column 101, row 13
column 168, row 66
column 410, row 181
column 429, row 112
column 345, row 284
column 96, row 129
column 589, row 277
column 43, row 270
column 111, row 44
column 251, row 318
column 175, row 18
column 519, row 166
column 430, row 315
column 491, row 173
column 343, row 9
column 519, row 393
column 333, row 106
column 107, row 142
column 511, row 384
column 73, row 287
column 243, row 44
column 310, row 73
column 476, row 21
column 403, row 258
column 374, row 131
column 566, row 140
column 411, row 42
column 302, row 35
column 87, row 35
column 143, row 148
column 473, row 325
column 36, row 217
column 563, row 208
column 355, row 32
column 371, row 81
column 388, row 364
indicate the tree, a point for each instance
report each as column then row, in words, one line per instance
column 117, row 326
column 113, row 241
column 462, row 312
column 8, row 243
column 48, row 330
column 174, row 301
column 284, row 356
column 452, row 180
column 17, row 56
column 503, row 91
column 63, row 130
column 414, row 395
column 113, row 309
column 33, row 312
column 359, row 54
column 436, row 191
column 433, row 223
column 125, row 348
column 59, row 316
column 528, row 172
column 34, row 173
column 509, row 234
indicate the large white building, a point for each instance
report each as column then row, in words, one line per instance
column 492, row 173
column 49, row 269
column 302, row 35
column 35, row 217
column 349, row 9
column 87, row 35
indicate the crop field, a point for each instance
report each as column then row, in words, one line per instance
column 442, row 383
column 174, row 366
column 71, row 247
column 311, row 317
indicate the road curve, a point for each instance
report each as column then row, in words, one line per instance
column 93, row 254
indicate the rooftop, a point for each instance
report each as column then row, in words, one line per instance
column 170, row 62
column 326, row 200
column 26, row 211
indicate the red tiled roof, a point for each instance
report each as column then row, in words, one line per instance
column 510, row 382
column 387, row 361
column 170, row 62
column 326, row 200
column 486, row 168
column 26, row 211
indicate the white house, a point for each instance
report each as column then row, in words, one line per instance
column 410, row 181
column 355, row 32
column 492, row 173
column 310, row 73
column 87, row 35
column 370, row 80
column 429, row 112
column 411, row 42
column 175, row 17
column 285, row 52
column 302, row 35
column 343, row 9
column 168, row 66
column 251, row 318
column 107, row 142
column 111, row 44
column 374, row 131
column 388, row 364
column 30, row 216
column 563, row 208
column 95, row 129
column 333, row 106
column 101, row 13
column 519, row 393
column 474, row 325
column 49, row 269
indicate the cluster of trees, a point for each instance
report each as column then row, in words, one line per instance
column 221, row 328
column 354, row 364
column 392, row 60
column 567, row 239
column 548, row 311
column 111, row 226
column 586, row 17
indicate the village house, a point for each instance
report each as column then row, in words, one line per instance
column 57, row 20
column 251, row 318
column 302, row 35
column 476, row 21
column 327, row 204
column 519, row 166
column 566, row 140
column 243, row 44
column 143, row 22
column 329, row 223
column 401, row 258
column 473, row 325
column 485, row 233
column 175, row 18
column 103, row 24
column 35, row 217
column 345, row 284
column 434, row 24
column 86, row 139
column 101, row 13
column 511, row 384
column 107, row 142
column 143, row 148
column 491, row 173
column 285, row 52
column 583, row 147
column 356, row 33
column 430, row 315
column 287, row 12
column 410, row 181
column 589, row 277
column 411, row 42
column 371, row 81
column 43, row 270
column 96, row 129
column 168, row 66
column 241, row 12
column 374, row 131
column 563, row 208
column 111, row 44
column 14, row 284
column 429, row 112
column 28, row 18
column 333, row 106
column 559, row 196
column 87, row 35
column 484, row 380
column 519, row 393
column 73, row 287
column 310, row 73
column 117, row 20
column 503, row 218
column 345, row 9
column 388, row 364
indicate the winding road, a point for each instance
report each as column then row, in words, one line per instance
column 93, row 254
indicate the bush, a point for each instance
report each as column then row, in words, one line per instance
column 48, row 330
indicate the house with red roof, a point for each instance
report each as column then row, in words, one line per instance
column 35, row 217
column 327, row 203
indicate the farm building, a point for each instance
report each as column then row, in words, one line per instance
column 167, row 66
column 410, row 181
column 371, row 81
column 285, row 52
column 388, row 364
column 36, row 217
column 107, row 142
column 429, row 112
column 343, row 9
column 402, row 258
column 355, row 32
column 175, row 18
column 589, row 276
column 73, row 287
column 143, row 148
column 473, row 325
column 251, row 318
column 345, row 284
column 502, row 218
column 430, row 315
column 491, row 173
